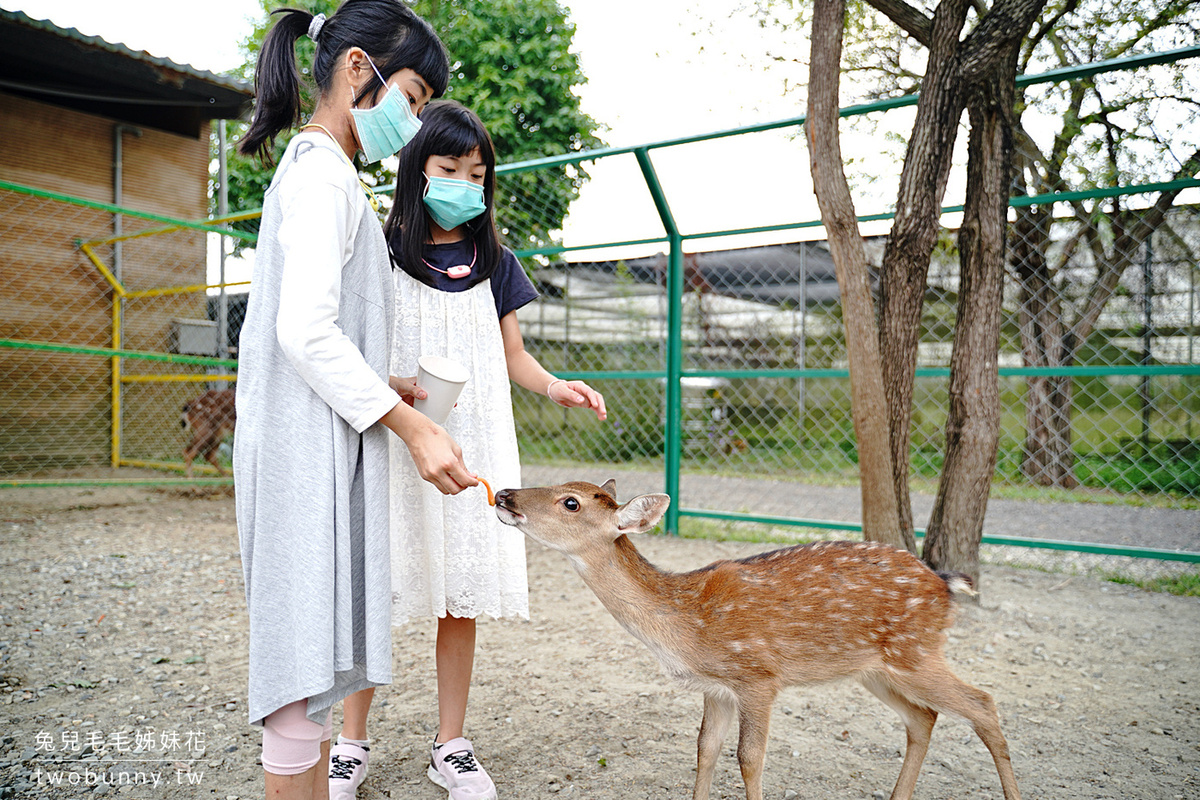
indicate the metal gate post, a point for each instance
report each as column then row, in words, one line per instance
column 672, row 439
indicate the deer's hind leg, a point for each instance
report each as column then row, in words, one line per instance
column 213, row 456
column 939, row 688
column 918, row 727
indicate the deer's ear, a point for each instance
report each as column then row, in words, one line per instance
column 642, row 513
column 610, row 488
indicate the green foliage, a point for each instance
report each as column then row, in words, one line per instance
column 512, row 65
column 1148, row 474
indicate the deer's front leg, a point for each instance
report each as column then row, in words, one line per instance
column 719, row 708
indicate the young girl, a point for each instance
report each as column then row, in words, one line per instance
column 457, row 292
column 310, row 462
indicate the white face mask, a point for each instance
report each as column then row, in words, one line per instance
column 387, row 126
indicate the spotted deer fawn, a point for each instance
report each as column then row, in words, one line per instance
column 210, row 418
column 739, row 631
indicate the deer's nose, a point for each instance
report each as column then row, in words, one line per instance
column 503, row 497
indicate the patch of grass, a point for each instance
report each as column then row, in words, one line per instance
column 1185, row 585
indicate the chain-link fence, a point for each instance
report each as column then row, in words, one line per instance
column 764, row 400
column 766, row 387
column 101, row 347
column 724, row 368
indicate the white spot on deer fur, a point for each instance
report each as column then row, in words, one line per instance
column 736, row 647
column 913, row 602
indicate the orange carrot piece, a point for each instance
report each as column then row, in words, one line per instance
column 491, row 498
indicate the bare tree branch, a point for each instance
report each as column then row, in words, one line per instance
column 911, row 20
column 1032, row 42
column 1123, row 249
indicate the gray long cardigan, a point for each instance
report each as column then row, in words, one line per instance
column 312, row 491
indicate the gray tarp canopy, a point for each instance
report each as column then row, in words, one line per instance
column 769, row 274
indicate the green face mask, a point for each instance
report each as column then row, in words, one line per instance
column 451, row 202
column 387, row 126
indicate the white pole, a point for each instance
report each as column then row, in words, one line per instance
column 222, row 210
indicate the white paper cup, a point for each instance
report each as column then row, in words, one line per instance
column 442, row 379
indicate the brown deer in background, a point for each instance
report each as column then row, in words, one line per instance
column 210, row 418
column 739, row 631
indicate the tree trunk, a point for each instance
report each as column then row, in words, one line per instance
column 973, row 424
column 881, row 521
column 914, row 233
column 1045, row 342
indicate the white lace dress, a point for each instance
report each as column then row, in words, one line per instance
column 450, row 554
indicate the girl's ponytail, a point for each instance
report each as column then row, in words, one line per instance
column 386, row 30
column 276, row 84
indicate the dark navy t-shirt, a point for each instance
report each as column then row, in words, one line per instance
column 511, row 287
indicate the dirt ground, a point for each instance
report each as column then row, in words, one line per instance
column 122, row 662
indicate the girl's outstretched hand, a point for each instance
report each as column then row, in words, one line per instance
column 407, row 388
column 577, row 394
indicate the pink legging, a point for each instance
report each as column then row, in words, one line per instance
column 291, row 741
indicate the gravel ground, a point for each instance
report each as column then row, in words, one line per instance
column 122, row 660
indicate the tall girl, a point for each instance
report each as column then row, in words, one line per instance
column 457, row 292
column 314, row 399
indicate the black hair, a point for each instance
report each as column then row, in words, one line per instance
column 447, row 129
column 386, row 30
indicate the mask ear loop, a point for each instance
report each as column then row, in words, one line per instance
column 382, row 83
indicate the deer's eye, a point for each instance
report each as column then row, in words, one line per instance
column 571, row 504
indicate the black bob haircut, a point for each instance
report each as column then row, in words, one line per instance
column 447, row 129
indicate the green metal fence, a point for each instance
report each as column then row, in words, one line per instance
column 724, row 369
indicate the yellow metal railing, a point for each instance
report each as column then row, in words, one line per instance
column 120, row 295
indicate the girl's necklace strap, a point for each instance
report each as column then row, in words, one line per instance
column 371, row 198
column 460, row 271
